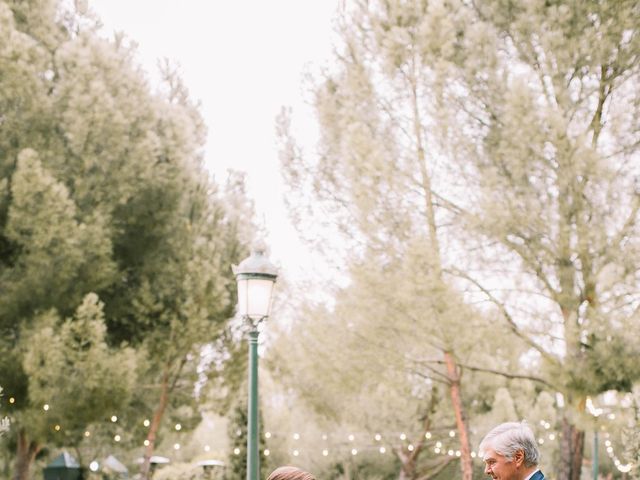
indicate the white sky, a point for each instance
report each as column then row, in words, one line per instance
column 243, row 61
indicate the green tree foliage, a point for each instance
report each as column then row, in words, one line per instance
column 102, row 190
column 378, row 179
column 550, row 133
column 237, row 432
column 41, row 221
column 4, row 421
column 505, row 133
column 73, row 374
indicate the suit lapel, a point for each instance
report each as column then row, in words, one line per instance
column 537, row 476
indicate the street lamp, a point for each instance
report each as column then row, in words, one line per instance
column 255, row 276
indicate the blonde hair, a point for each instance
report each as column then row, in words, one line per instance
column 290, row 473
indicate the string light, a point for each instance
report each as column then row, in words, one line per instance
column 146, row 443
column 12, row 400
column 266, row 452
column 439, row 448
column 624, row 468
column 428, row 435
column 176, row 446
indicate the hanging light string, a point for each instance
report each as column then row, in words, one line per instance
column 343, row 444
column 375, row 442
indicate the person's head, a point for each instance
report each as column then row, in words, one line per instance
column 509, row 451
column 290, row 473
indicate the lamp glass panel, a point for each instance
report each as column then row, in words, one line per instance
column 254, row 297
column 242, row 297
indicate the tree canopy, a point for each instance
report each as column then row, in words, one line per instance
column 479, row 158
column 115, row 243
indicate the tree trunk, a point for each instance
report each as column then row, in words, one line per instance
column 577, row 441
column 408, row 469
column 155, row 425
column 571, row 451
column 26, row 452
column 409, row 460
column 466, row 462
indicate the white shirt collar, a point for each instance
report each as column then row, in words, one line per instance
column 532, row 474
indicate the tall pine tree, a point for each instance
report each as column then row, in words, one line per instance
column 103, row 192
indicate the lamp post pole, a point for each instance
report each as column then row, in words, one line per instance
column 253, row 459
column 255, row 276
column 595, row 451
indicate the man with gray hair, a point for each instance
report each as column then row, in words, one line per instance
column 510, row 452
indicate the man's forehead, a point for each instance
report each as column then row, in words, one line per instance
column 490, row 454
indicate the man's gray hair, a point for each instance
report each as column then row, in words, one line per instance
column 507, row 438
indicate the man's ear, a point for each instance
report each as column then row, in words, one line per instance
column 518, row 458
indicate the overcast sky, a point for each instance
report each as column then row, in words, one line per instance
column 243, row 61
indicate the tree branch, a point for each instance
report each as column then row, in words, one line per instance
column 514, row 376
column 439, row 468
column 507, row 316
column 446, row 380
